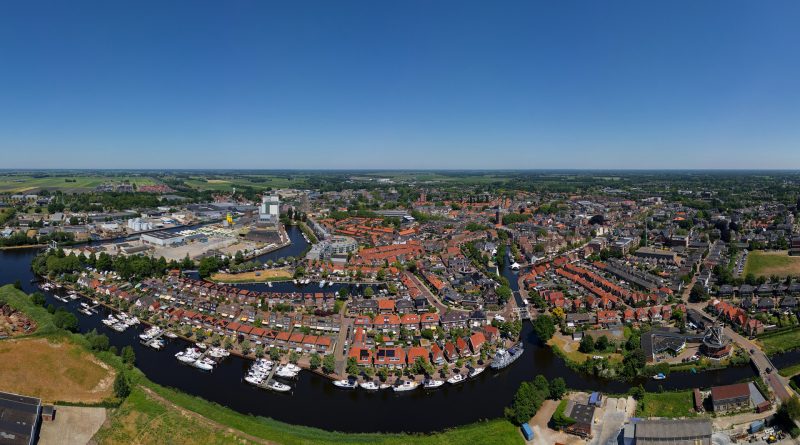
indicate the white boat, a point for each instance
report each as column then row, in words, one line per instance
column 269, row 283
column 190, row 355
column 370, row 386
column 408, row 385
column 345, row 384
column 659, row 376
column 432, row 384
column 384, row 386
column 278, row 386
column 156, row 344
column 474, row 372
column 119, row 327
column 170, row 334
column 286, row 373
column 294, row 281
column 253, row 380
column 204, row 364
column 458, row 378
column 322, row 283
column 292, row 367
column 201, row 345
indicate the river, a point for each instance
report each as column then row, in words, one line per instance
column 315, row 402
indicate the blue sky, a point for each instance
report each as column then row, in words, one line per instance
column 409, row 84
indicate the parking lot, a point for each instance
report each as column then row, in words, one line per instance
column 609, row 418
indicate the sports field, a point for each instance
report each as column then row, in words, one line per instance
column 67, row 183
column 773, row 262
column 53, row 371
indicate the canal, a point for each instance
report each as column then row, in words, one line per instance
column 315, row 402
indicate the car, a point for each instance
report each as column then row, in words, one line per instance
column 752, row 351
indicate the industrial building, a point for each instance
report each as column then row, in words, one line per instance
column 668, row 432
column 269, row 211
column 162, row 238
column 19, row 418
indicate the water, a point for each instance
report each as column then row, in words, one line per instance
column 316, row 402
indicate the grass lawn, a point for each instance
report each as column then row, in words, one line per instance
column 254, row 276
column 776, row 262
column 785, row 341
column 667, row 404
column 569, row 350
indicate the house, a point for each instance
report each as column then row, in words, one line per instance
column 416, row 352
column 730, row 397
column 476, row 341
column 363, row 356
column 390, row 357
column 437, row 355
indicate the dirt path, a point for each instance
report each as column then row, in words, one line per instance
column 213, row 424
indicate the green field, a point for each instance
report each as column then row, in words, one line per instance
column 782, row 342
column 10, row 183
column 667, row 404
column 776, row 262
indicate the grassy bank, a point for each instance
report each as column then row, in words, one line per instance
column 781, row 342
column 667, row 404
column 497, row 431
column 790, row 371
column 146, row 419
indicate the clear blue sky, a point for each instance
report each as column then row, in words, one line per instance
column 404, row 84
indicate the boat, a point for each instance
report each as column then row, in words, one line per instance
column 408, row 385
column 345, row 384
column 204, row 364
column 370, row 386
column 170, row 334
column 659, row 376
column 201, row 345
column 474, row 372
column 294, row 281
column 384, row 386
column 322, row 283
column 292, row 367
column 503, row 358
column 269, row 283
column 119, row 327
column 432, row 384
column 156, row 344
column 190, row 355
column 456, row 379
column 285, row 372
column 253, row 380
column 278, row 386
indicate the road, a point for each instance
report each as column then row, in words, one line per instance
column 340, row 353
column 434, row 299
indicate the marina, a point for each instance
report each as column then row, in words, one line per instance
column 316, row 402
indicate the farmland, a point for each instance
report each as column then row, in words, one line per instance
column 776, row 262
column 66, row 182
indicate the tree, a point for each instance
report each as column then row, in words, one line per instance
column 545, row 327
column 128, row 355
column 315, row 361
column 245, row 345
column 274, row 354
column 352, row 366
column 587, row 344
column 65, row 320
column 638, row 392
column 38, row 298
column 558, row 387
column 121, row 386
column 369, row 292
column 602, row 343
column 328, row 364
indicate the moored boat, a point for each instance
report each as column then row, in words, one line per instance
column 407, row 385
column 457, row 378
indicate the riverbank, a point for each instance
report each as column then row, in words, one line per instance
column 25, row 246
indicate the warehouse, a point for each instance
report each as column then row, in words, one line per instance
column 19, row 416
column 670, row 432
column 162, row 238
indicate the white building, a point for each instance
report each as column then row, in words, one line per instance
column 162, row 238
column 269, row 211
